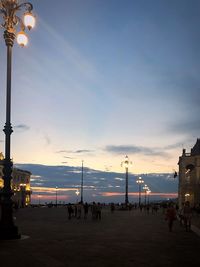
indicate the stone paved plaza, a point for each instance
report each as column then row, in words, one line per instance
column 125, row 238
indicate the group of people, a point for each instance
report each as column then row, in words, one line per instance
column 83, row 208
column 184, row 214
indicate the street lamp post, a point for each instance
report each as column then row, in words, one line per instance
column 126, row 163
column 9, row 10
column 139, row 181
column 82, row 183
column 145, row 188
column 77, row 193
column 148, row 194
column 56, row 196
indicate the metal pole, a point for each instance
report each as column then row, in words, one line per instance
column 82, row 184
column 126, row 191
column 56, row 196
column 145, row 197
column 7, row 228
column 139, row 194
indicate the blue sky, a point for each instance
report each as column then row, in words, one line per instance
column 104, row 78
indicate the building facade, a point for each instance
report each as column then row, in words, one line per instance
column 189, row 176
column 20, row 185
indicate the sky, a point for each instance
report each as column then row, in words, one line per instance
column 101, row 79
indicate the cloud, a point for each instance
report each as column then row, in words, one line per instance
column 83, row 151
column 21, row 127
column 173, row 146
column 131, row 149
column 79, row 151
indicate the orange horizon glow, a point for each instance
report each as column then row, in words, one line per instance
column 52, row 189
column 50, row 197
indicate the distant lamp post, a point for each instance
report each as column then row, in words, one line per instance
column 82, row 183
column 39, row 199
column 148, row 194
column 77, row 194
column 56, row 196
column 139, row 181
column 145, row 188
column 126, row 163
column 9, row 10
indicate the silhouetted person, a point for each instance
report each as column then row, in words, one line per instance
column 94, row 210
column 170, row 216
column 187, row 215
column 70, row 211
column 98, row 211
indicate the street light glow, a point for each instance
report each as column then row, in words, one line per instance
column 29, row 20
column 22, row 39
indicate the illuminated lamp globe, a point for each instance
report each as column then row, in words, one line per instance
column 29, row 20
column 22, row 39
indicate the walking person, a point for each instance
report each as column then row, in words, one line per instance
column 187, row 215
column 99, row 211
column 94, row 210
column 70, row 211
column 170, row 216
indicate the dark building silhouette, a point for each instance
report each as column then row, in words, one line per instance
column 189, row 176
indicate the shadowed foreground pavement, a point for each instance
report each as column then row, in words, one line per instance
column 125, row 238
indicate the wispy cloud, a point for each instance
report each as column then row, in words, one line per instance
column 21, row 127
column 68, row 157
column 132, row 149
column 78, row 151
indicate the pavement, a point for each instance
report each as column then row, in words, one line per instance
column 124, row 238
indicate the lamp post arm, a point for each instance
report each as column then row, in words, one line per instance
column 28, row 6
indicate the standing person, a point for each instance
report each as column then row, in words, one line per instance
column 187, row 215
column 170, row 216
column 85, row 207
column 98, row 211
column 70, row 211
column 94, row 210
